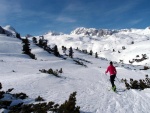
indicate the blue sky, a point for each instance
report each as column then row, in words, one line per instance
column 37, row 17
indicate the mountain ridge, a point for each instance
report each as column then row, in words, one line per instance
column 126, row 44
column 103, row 32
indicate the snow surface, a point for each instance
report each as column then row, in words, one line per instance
column 104, row 45
column 90, row 82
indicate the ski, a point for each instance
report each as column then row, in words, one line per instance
column 117, row 91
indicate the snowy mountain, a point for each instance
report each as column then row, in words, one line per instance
column 104, row 32
column 8, row 30
column 84, row 74
column 126, row 44
column 92, row 32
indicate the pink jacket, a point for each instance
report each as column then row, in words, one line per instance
column 111, row 69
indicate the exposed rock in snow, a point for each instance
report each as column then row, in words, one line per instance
column 9, row 30
column 93, row 31
column 51, row 33
column 1, row 30
column 104, row 32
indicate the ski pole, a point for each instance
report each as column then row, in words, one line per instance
column 109, row 88
column 107, row 79
column 117, row 79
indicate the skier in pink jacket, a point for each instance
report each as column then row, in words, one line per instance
column 112, row 70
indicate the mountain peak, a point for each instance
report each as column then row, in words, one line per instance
column 10, row 28
column 93, row 31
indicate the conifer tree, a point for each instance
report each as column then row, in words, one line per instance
column 91, row 52
column 34, row 40
column 96, row 55
column 40, row 42
column 56, row 53
column 26, row 46
column 18, row 35
column 71, row 52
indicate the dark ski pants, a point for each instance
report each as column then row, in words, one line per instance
column 112, row 79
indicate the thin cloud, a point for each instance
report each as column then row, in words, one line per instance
column 31, row 13
column 9, row 7
column 65, row 19
column 133, row 22
column 122, row 9
column 12, row 10
column 75, row 6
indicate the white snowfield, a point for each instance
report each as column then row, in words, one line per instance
column 22, row 73
column 135, row 41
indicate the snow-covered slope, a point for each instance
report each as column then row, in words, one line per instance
column 122, row 45
column 22, row 73
column 8, row 30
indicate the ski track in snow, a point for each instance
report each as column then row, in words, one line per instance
column 91, row 83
